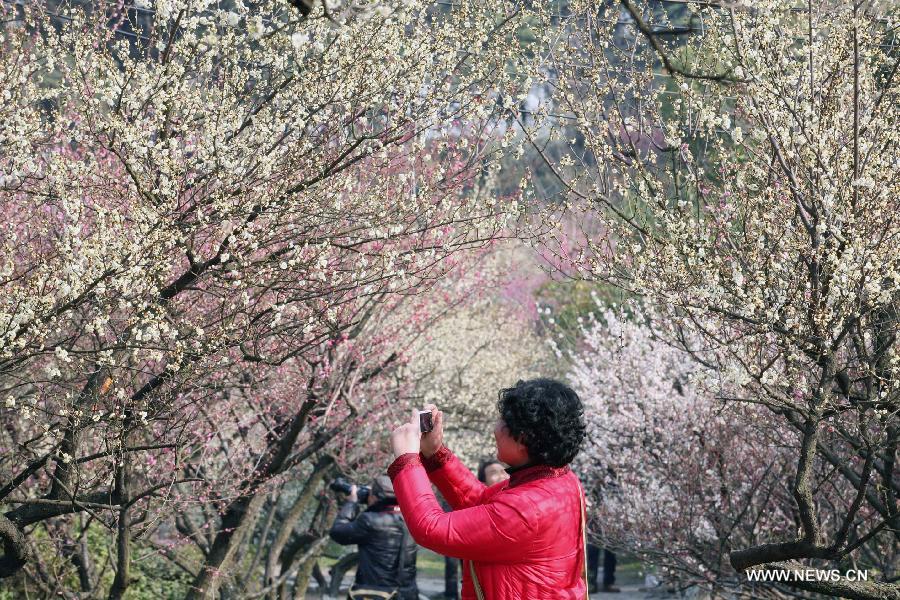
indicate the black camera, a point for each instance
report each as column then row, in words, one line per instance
column 342, row 485
column 426, row 424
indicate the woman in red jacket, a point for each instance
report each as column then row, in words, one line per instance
column 520, row 539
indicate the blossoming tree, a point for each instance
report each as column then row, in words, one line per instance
column 483, row 338
column 200, row 198
column 746, row 180
column 674, row 476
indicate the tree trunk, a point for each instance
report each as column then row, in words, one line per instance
column 239, row 518
column 290, row 521
column 123, row 533
column 15, row 551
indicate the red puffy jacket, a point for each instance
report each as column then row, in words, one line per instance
column 524, row 535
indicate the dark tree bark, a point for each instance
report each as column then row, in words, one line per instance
column 15, row 550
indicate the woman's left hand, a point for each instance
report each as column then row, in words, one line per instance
column 407, row 438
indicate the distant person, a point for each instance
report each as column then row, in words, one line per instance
column 522, row 538
column 490, row 471
column 609, row 570
column 387, row 553
column 607, row 486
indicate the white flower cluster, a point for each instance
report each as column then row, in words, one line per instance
column 217, row 194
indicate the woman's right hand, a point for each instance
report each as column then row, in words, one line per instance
column 432, row 442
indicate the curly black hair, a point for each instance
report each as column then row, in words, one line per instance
column 547, row 417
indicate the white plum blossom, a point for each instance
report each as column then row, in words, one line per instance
column 198, row 203
column 767, row 237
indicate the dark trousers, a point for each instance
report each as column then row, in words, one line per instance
column 609, row 564
column 451, row 577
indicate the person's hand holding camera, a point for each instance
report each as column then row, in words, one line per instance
column 424, row 432
column 433, row 440
column 406, row 438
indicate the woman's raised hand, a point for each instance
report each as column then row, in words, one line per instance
column 405, row 438
column 408, row 437
column 432, row 442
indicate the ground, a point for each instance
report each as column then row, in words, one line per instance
column 629, row 578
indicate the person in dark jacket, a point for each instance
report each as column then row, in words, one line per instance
column 379, row 532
